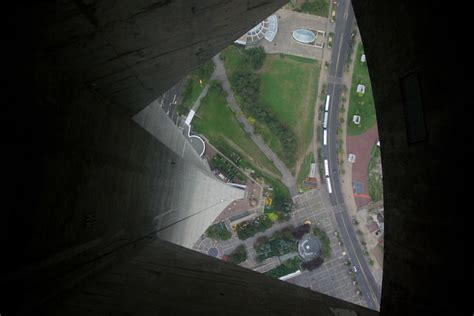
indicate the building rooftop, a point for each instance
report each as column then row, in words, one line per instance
column 309, row 247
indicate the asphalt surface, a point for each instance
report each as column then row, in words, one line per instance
column 342, row 37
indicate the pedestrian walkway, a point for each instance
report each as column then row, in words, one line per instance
column 287, row 178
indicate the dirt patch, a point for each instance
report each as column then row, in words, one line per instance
column 361, row 146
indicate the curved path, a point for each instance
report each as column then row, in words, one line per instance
column 287, row 177
column 342, row 34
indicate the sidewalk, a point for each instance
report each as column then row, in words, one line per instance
column 361, row 146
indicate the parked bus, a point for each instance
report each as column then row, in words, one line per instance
column 326, row 168
column 327, row 103
column 328, row 181
column 325, row 137
column 325, row 123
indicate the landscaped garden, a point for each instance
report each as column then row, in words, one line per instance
column 216, row 121
column 375, row 175
column 218, row 232
column 278, row 97
column 287, row 267
column 195, row 83
column 227, row 169
column 280, row 202
column 280, row 243
column 249, row 229
column 361, row 104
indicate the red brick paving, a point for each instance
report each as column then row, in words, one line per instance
column 361, row 146
column 253, row 190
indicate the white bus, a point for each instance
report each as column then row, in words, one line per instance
column 326, row 168
column 328, row 181
column 325, row 137
column 327, row 103
column 325, row 123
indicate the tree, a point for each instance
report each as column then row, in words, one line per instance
column 238, row 255
column 255, row 57
column 218, row 232
column 313, row 264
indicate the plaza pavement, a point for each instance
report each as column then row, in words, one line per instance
column 332, row 278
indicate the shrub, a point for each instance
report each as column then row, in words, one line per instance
column 218, row 232
column 238, row 255
column 280, row 243
column 248, row 229
column 255, row 57
column 325, row 242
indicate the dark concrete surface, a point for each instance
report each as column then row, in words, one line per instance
column 74, row 73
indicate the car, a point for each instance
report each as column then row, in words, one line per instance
column 355, row 269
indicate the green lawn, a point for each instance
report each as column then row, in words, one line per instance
column 233, row 59
column 194, row 85
column 316, row 7
column 305, row 167
column 217, row 122
column 375, row 175
column 361, row 105
column 289, row 90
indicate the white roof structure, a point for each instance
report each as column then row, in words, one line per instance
column 272, row 25
column 267, row 29
column 361, row 88
column 351, row 158
column 362, row 58
column 356, row 119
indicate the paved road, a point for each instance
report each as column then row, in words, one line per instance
column 287, row 177
column 342, row 34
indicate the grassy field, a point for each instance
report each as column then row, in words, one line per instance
column 375, row 175
column 194, row 85
column 305, row 167
column 217, row 122
column 361, row 105
column 315, row 7
column 233, row 59
column 289, row 89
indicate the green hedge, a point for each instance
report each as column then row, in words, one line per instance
column 287, row 267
